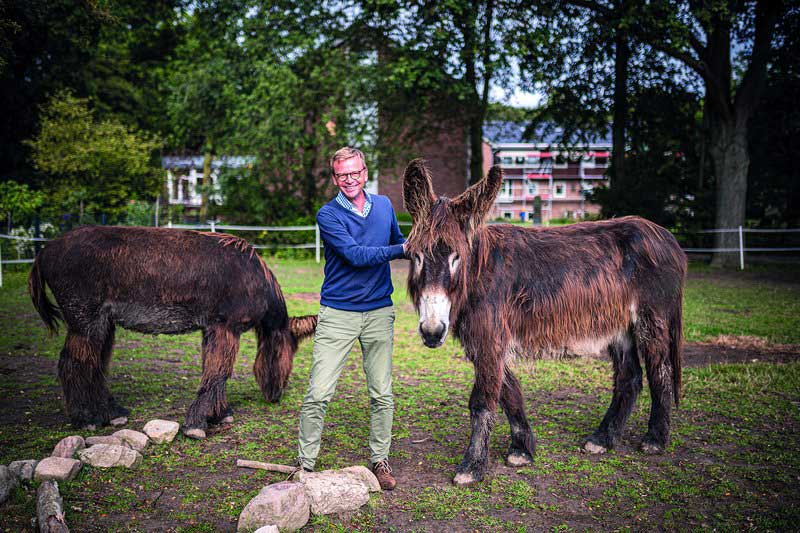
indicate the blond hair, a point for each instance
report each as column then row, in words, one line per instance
column 346, row 153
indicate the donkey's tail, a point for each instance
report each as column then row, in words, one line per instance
column 49, row 312
column 676, row 349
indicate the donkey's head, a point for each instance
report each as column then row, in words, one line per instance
column 440, row 246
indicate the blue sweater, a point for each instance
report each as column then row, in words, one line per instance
column 357, row 254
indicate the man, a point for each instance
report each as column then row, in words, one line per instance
column 361, row 237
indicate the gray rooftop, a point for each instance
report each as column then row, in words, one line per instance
column 506, row 132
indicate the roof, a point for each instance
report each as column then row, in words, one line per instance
column 507, row 132
column 196, row 161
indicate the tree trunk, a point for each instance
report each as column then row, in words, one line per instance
column 309, row 161
column 209, row 157
column 621, row 57
column 731, row 162
column 476, row 148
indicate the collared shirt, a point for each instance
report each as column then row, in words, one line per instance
column 342, row 200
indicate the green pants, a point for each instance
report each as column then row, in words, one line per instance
column 336, row 333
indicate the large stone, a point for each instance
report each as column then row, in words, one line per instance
column 8, row 482
column 284, row 505
column 365, row 475
column 68, row 447
column 268, row 529
column 110, row 455
column 50, row 509
column 161, row 431
column 56, row 469
column 135, row 439
column 24, row 469
column 105, row 439
column 332, row 491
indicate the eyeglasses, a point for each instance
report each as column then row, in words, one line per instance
column 350, row 176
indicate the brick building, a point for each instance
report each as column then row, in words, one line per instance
column 543, row 182
column 447, row 154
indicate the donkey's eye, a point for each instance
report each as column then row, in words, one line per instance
column 454, row 260
column 418, row 263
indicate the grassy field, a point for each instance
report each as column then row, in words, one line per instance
column 733, row 462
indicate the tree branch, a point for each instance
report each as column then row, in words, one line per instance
column 767, row 13
column 593, row 6
column 487, row 68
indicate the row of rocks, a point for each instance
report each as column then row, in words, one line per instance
column 121, row 449
column 288, row 505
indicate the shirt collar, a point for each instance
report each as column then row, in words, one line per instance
column 342, row 200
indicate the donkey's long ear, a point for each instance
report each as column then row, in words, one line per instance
column 471, row 206
column 418, row 196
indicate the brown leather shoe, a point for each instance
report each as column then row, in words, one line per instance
column 383, row 472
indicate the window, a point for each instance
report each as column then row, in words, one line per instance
column 560, row 161
column 497, row 160
column 559, row 189
column 520, row 160
column 601, row 161
column 507, row 215
column 531, row 187
column 505, row 190
column 507, row 160
column 531, row 160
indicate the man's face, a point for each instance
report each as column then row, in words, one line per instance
column 350, row 175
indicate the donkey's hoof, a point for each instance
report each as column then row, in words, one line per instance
column 194, row 433
column 119, row 421
column 517, row 459
column 226, row 420
column 464, row 479
column 650, row 447
column 593, row 448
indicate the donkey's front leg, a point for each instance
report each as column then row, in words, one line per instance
column 482, row 408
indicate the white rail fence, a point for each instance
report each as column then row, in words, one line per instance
column 317, row 244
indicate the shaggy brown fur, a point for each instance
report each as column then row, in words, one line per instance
column 528, row 292
column 156, row 280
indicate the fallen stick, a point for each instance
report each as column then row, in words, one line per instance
column 242, row 463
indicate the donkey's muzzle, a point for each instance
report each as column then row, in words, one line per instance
column 433, row 333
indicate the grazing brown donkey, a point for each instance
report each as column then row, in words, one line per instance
column 157, row 280
column 508, row 291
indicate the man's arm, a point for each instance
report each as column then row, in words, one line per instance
column 396, row 236
column 335, row 235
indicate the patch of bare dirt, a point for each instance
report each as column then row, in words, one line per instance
column 738, row 349
column 308, row 297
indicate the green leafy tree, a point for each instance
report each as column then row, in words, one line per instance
column 97, row 165
column 278, row 85
column 439, row 61
column 44, row 47
column 17, row 200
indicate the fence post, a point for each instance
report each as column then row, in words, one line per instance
column 213, row 226
column 1, row 263
column 316, row 240
column 741, row 249
column 37, row 232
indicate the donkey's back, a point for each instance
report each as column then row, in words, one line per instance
column 579, row 287
column 157, row 280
